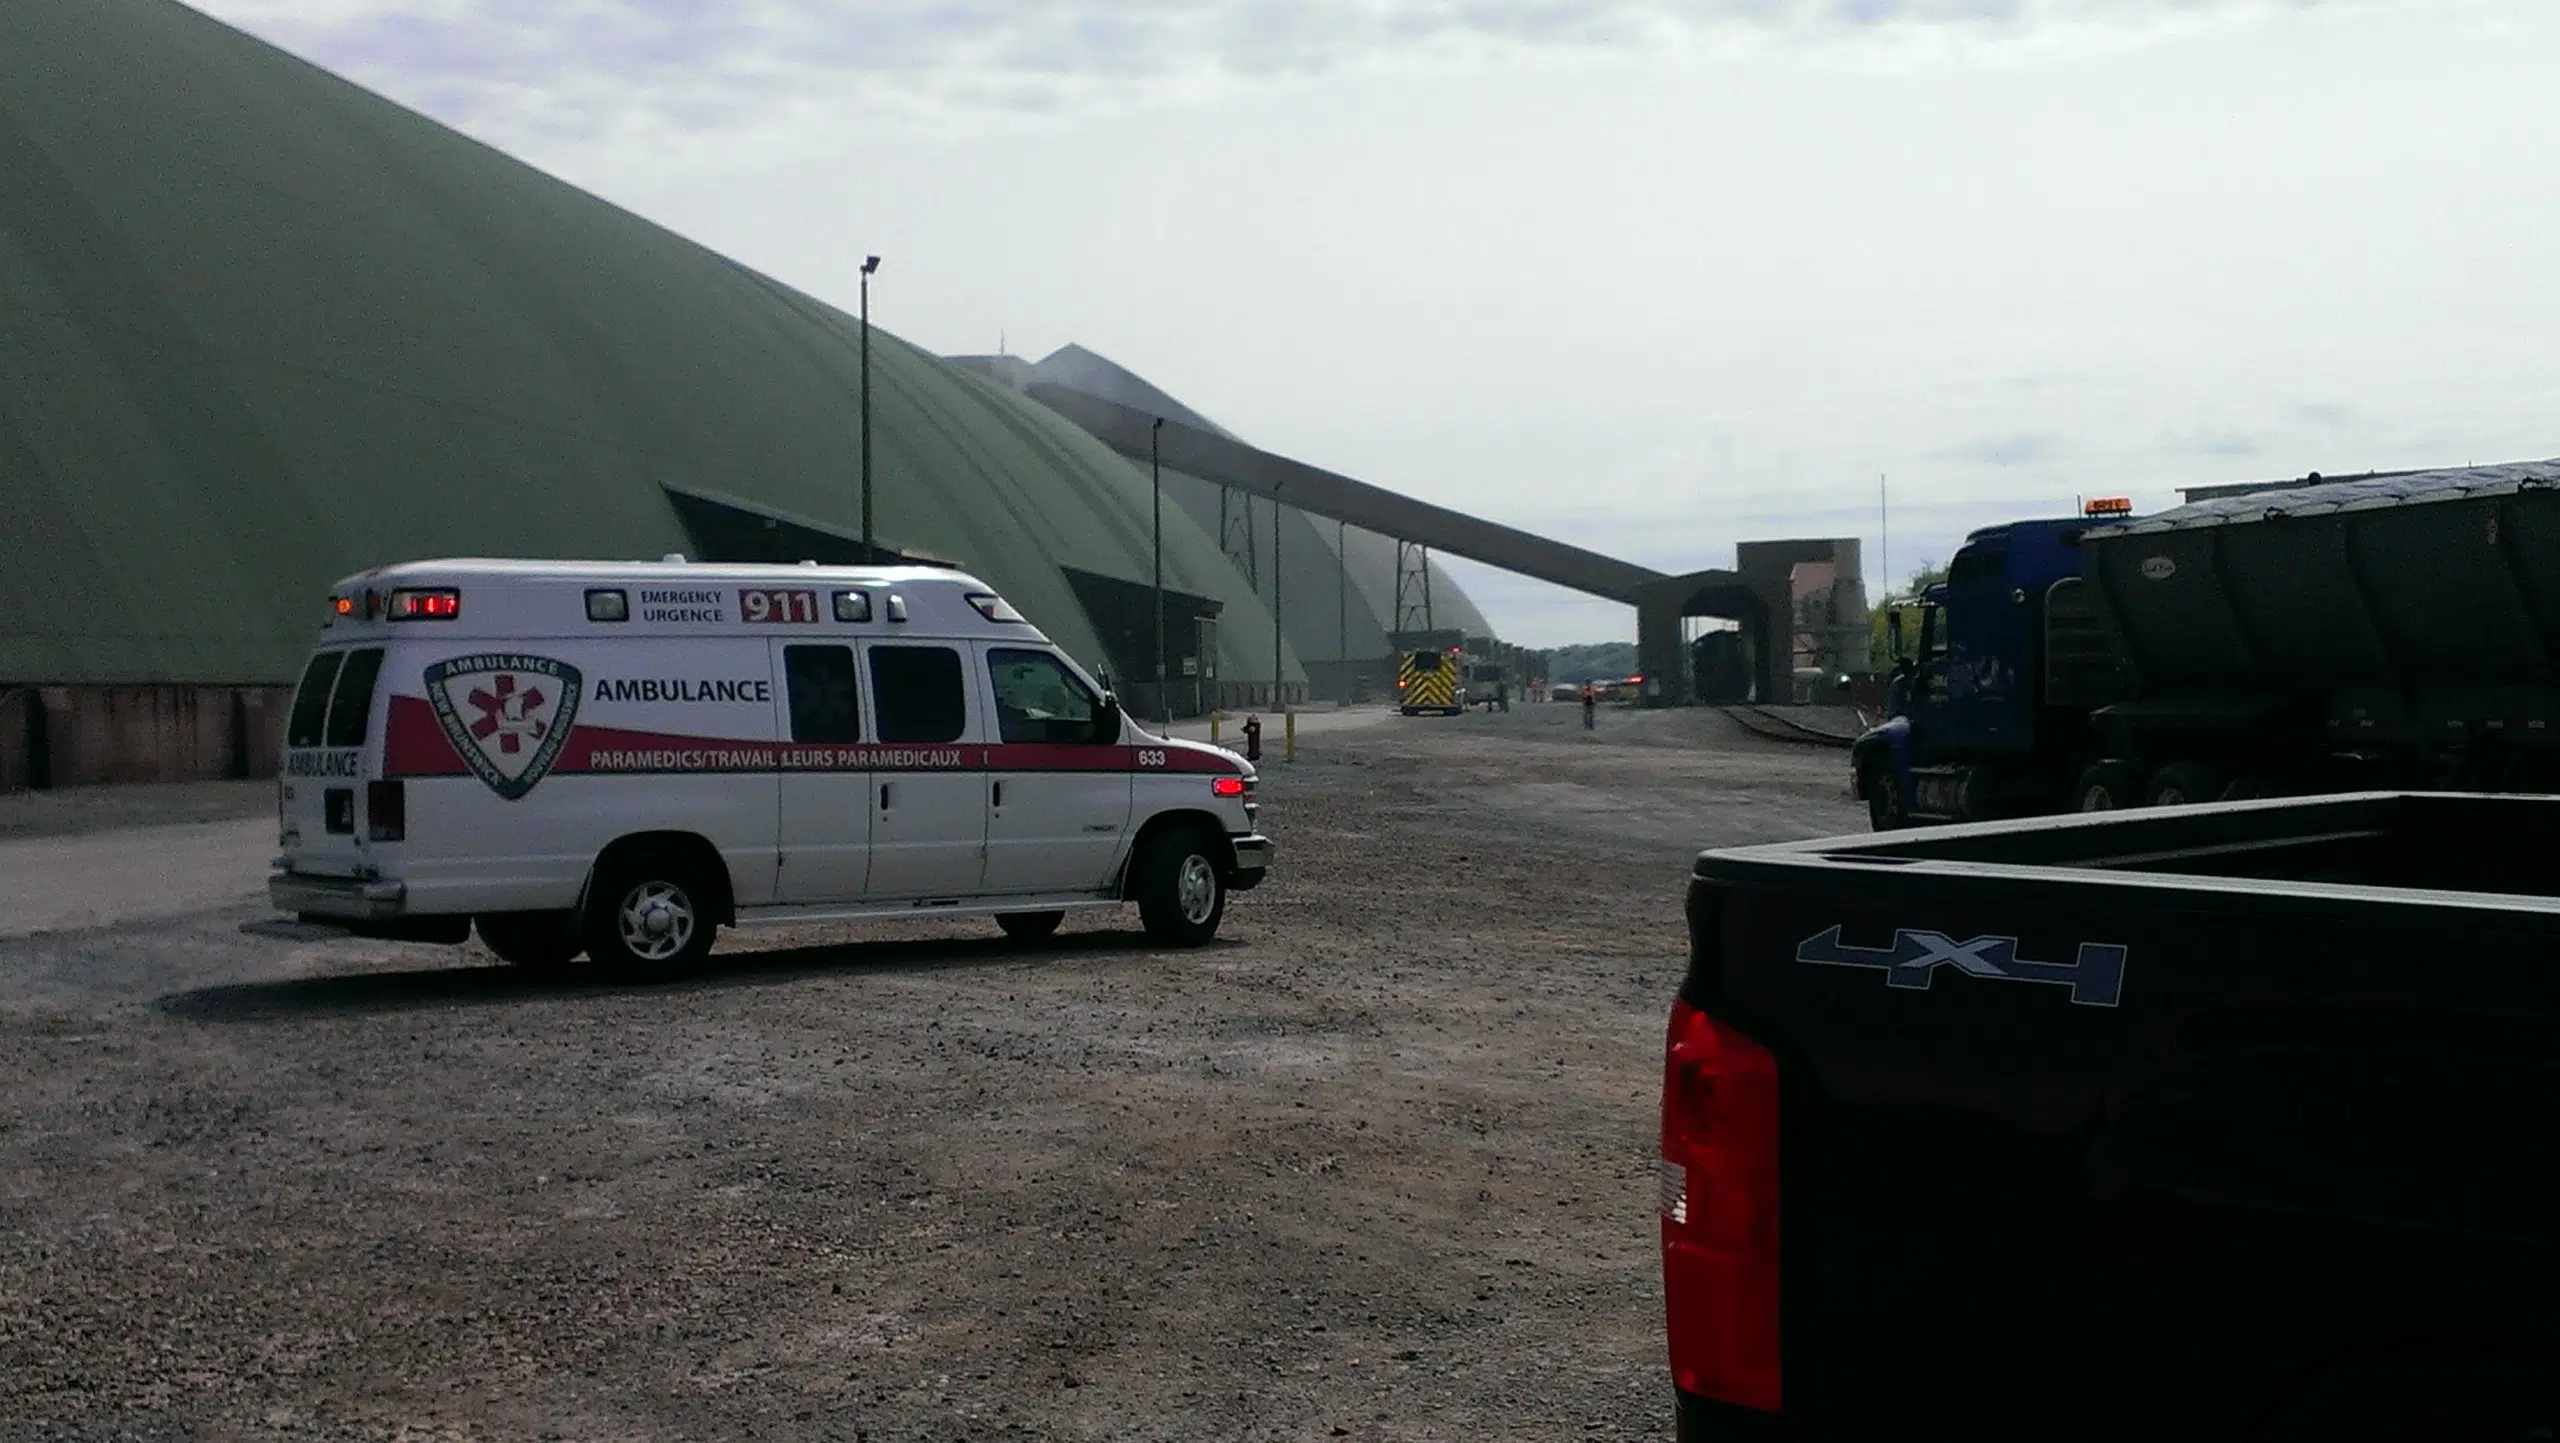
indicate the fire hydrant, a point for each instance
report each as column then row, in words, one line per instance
column 1253, row 738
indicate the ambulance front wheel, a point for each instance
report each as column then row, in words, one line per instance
column 649, row 917
column 1181, row 893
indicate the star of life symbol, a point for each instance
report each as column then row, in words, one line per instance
column 507, row 714
column 2095, row 976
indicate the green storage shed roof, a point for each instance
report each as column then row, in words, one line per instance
column 260, row 328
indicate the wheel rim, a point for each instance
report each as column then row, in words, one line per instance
column 1195, row 889
column 657, row 921
column 2172, row 797
column 2096, row 799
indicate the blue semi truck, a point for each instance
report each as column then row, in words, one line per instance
column 2392, row 632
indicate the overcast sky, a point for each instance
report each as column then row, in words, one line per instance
column 1651, row 276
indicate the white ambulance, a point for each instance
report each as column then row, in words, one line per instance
column 617, row 758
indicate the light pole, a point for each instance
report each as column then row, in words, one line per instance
column 1155, row 472
column 869, row 264
column 1277, row 704
column 1342, row 602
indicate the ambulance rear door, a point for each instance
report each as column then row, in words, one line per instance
column 326, row 766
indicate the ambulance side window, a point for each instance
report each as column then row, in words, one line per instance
column 825, row 706
column 351, row 703
column 918, row 693
column 311, row 702
column 1038, row 700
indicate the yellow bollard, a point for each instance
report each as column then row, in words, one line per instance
column 1289, row 735
column 1213, row 728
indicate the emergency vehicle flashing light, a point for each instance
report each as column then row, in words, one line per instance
column 2109, row 506
column 1228, row 786
column 441, row 603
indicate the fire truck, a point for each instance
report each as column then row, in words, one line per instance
column 1427, row 681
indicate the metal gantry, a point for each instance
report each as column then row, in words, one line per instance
column 1413, row 587
column 1235, row 534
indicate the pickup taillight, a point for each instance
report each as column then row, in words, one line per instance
column 386, row 811
column 1720, row 1210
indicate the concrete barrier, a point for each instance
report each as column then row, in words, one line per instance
column 73, row 736
column 21, row 745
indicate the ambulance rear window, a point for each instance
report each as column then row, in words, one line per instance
column 351, row 703
column 311, row 702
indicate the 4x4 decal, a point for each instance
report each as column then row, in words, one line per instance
column 2096, row 978
column 507, row 714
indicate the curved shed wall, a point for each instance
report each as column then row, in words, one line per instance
column 260, row 328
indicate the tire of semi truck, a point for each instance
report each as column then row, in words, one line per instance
column 1883, row 797
column 2107, row 787
column 2178, row 783
column 2253, row 786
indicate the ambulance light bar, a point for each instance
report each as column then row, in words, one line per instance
column 2109, row 506
column 993, row 607
column 439, row 603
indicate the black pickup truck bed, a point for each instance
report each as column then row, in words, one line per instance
column 2233, row 1121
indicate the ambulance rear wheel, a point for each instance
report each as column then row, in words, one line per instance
column 538, row 941
column 1181, row 894
column 1029, row 926
column 649, row 918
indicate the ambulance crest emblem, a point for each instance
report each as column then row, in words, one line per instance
column 507, row 714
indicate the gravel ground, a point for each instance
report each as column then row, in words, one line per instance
column 1378, row 1164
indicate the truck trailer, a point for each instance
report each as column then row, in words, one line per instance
column 2386, row 633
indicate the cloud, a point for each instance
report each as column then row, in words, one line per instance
column 2212, row 441
column 600, row 71
column 2024, row 449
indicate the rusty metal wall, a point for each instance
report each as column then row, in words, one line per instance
column 75, row 736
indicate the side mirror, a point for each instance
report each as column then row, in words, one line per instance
column 1843, row 684
column 1106, row 721
column 1893, row 628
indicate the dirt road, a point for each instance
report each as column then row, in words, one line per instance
column 1376, row 1165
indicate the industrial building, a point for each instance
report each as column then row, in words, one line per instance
column 261, row 328
column 1344, row 594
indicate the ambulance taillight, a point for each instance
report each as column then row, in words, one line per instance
column 433, row 603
